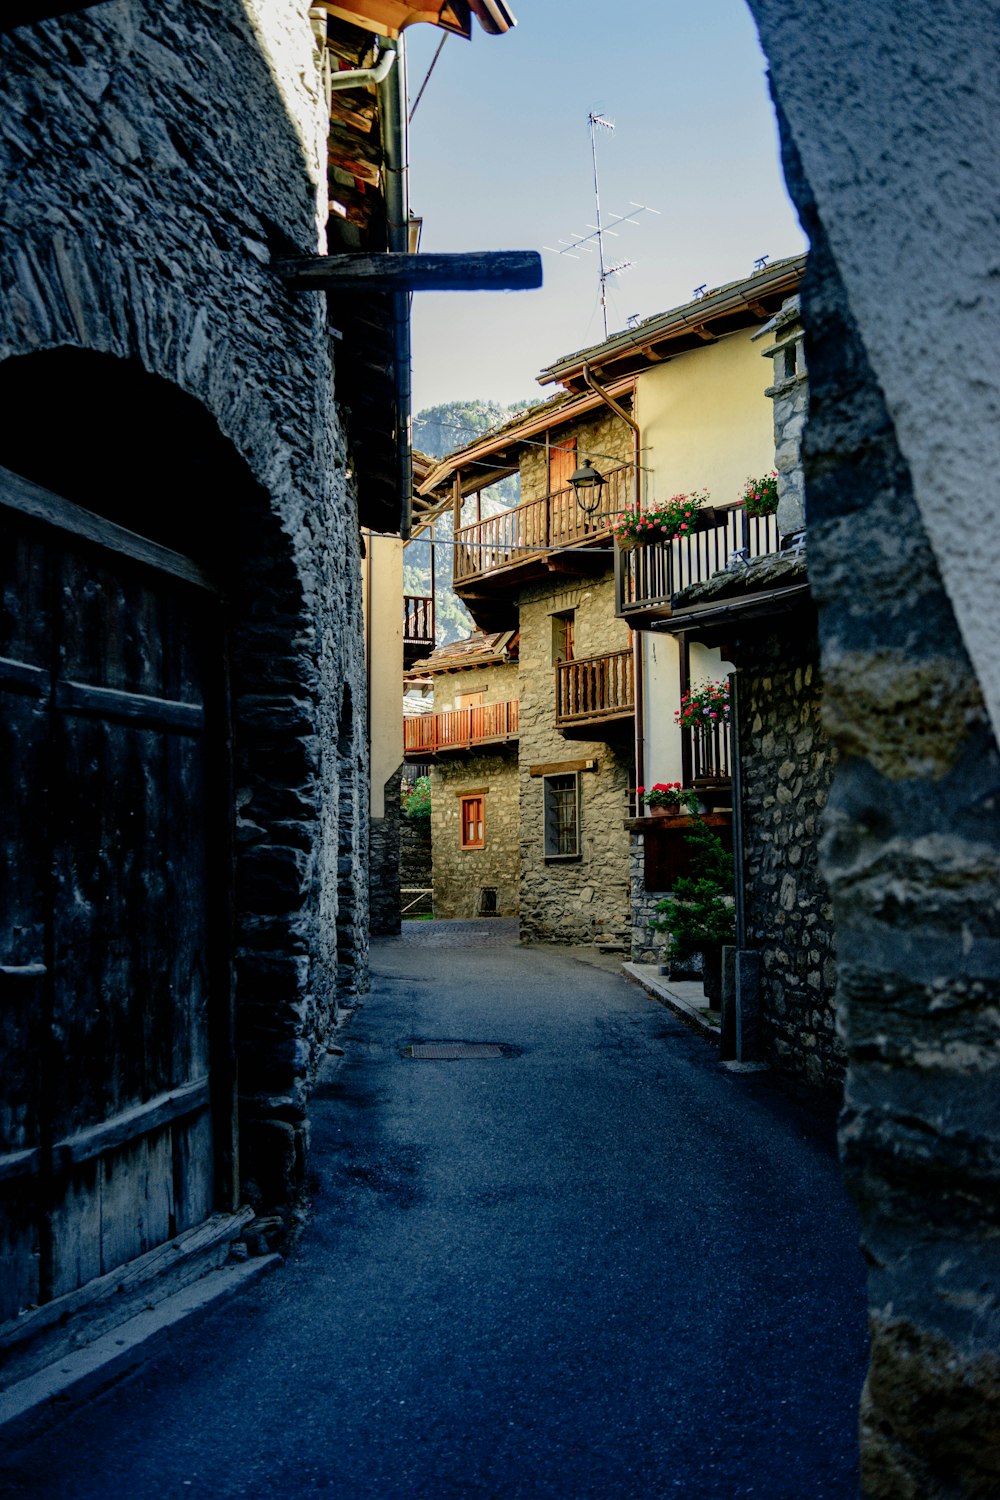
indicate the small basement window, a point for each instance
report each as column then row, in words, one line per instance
column 561, row 796
column 472, row 812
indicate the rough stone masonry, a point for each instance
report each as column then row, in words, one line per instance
column 156, row 155
column 902, row 273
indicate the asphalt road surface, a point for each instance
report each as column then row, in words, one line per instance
column 598, row 1265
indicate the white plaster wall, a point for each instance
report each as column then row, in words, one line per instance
column 706, row 422
column 382, row 592
column 663, row 697
column 902, row 157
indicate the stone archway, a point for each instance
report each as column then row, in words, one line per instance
column 214, row 895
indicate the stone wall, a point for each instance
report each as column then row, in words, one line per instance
column 895, row 449
column 584, row 900
column 153, row 171
column 787, row 763
column 384, row 864
column 647, row 944
column 601, row 437
column 415, row 863
column 460, row 875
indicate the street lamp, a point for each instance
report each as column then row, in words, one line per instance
column 587, row 483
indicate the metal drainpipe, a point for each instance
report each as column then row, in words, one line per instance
column 637, row 642
column 392, row 108
column 738, row 830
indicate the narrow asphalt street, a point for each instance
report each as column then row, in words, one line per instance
column 599, row 1265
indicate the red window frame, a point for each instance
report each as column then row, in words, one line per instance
column 472, row 818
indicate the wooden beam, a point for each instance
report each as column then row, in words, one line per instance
column 555, row 767
column 481, row 270
column 705, row 334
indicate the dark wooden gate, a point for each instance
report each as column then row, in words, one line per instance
column 115, row 1089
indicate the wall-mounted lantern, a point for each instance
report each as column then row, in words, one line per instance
column 587, row 483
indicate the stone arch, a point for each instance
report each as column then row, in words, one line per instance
column 136, row 449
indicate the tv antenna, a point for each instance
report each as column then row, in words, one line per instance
column 600, row 229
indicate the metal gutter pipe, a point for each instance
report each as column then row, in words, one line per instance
column 392, row 109
column 638, row 654
column 355, row 78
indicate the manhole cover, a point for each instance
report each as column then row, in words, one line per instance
column 453, row 1051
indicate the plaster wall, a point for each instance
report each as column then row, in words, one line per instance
column 661, row 655
column 382, row 595
column 705, row 421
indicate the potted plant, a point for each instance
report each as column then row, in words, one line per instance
column 704, row 707
column 699, row 914
column 664, row 798
column 679, row 517
column 760, row 496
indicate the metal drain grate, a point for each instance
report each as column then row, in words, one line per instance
column 454, row 1051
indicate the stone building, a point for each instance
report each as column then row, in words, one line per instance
column 184, row 729
column 470, row 744
column 545, row 569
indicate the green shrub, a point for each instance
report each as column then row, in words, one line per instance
column 415, row 799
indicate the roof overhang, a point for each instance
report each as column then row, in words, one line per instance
column 741, row 304
column 390, row 17
column 497, row 453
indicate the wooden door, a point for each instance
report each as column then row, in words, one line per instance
column 114, row 967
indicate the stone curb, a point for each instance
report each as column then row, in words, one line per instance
column 86, row 1372
column 685, row 1006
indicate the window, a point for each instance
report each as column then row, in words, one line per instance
column 562, row 461
column 469, row 700
column 562, row 637
column 561, row 816
column 473, row 825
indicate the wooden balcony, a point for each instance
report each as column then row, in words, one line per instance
column 418, row 627
column 521, row 539
column 426, row 736
column 648, row 576
column 706, row 756
column 594, row 693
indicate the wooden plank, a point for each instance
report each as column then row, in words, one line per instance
column 19, row 1163
column 139, row 1120
column 558, row 767
column 31, row 500
column 139, row 709
column 23, row 677
column 396, row 271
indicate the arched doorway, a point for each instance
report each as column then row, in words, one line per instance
column 120, row 561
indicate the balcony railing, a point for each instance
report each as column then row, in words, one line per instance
column 649, row 575
column 706, row 754
column 459, row 729
column 539, row 526
column 418, row 619
column 593, row 688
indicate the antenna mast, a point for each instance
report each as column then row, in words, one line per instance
column 594, row 121
column 600, row 229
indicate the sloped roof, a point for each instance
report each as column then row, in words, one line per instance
column 500, row 445
column 480, row 649
column 724, row 309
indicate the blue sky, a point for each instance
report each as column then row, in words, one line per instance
column 500, row 159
